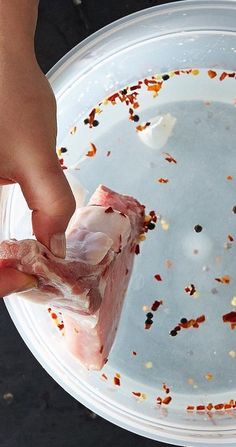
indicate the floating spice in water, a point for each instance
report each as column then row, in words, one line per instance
column 92, row 150
column 57, row 320
column 168, row 263
column 212, row 74
column 223, row 76
column 104, row 376
column 73, row 130
column 198, row 228
column 166, row 399
column 148, row 323
column 209, row 376
column 169, row 158
column 156, row 305
column 165, row 388
column 139, row 396
column 163, row 180
column 116, row 379
column 158, row 277
column 186, row 324
column 191, row 290
column 224, row 279
column 230, row 318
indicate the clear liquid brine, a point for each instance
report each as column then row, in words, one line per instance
column 170, row 142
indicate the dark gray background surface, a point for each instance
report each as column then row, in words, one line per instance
column 34, row 410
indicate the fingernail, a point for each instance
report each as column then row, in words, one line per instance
column 58, row 245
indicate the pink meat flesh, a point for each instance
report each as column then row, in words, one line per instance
column 90, row 284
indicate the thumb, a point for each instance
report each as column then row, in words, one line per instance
column 13, row 281
column 49, row 196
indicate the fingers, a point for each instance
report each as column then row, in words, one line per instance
column 12, row 281
column 49, row 196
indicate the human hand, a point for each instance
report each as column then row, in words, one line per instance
column 28, row 157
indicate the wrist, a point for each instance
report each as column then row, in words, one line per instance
column 17, row 27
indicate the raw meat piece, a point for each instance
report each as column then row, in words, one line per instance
column 89, row 286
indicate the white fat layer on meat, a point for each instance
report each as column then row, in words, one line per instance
column 114, row 225
column 88, row 247
column 157, row 134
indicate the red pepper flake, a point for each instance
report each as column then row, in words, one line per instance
column 212, row 74
column 201, row 319
column 155, row 87
column 149, row 81
column 169, row 158
column 113, row 98
column 54, row 316
column 163, row 180
column 91, row 118
column 92, row 150
column 200, row 407
column 60, row 326
column 223, row 76
column 109, row 210
column 116, row 380
column 134, row 353
column 108, row 153
column 167, row 400
column 137, row 249
column 219, row 406
column 142, row 127
column 135, row 87
column 165, row 388
column 230, row 238
column 190, row 408
column 159, row 400
column 158, row 277
column 49, row 310
column 155, row 305
column 136, row 393
column 104, row 376
column 153, row 215
column 230, row 318
column 229, row 177
column 224, row 279
column 191, row 290
column 209, row 407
